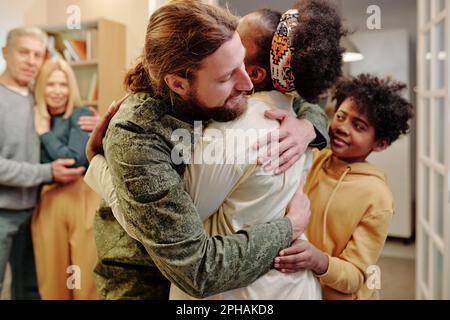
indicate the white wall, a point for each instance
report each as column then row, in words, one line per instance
column 399, row 14
column 17, row 14
column 132, row 13
column 240, row 7
column 386, row 53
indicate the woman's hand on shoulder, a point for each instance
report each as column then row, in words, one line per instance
column 41, row 122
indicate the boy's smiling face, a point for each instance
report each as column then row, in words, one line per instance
column 352, row 135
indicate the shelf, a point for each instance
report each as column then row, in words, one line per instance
column 89, row 103
column 92, row 63
column 63, row 27
column 101, row 74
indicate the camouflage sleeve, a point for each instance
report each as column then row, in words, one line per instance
column 164, row 219
column 317, row 116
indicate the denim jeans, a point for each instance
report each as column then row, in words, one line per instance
column 17, row 248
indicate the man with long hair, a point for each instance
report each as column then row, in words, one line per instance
column 192, row 69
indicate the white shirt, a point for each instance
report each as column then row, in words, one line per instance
column 231, row 192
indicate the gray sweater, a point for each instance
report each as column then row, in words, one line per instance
column 20, row 170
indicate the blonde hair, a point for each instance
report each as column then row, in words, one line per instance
column 27, row 31
column 47, row 69
column 179, row 36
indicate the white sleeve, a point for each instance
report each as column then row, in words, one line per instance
column 210, row 184
column 99, row 179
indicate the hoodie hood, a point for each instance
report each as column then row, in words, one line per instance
column 344, row 171
column 335, row 168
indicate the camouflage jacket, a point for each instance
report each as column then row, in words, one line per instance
column 317, row 116
column 157, row 209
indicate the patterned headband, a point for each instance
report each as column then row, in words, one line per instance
column 281, row 52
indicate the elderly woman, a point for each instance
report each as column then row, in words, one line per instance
column 62, row 226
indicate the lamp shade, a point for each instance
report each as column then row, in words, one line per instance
column 351, row 54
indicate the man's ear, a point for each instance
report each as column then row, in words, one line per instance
column 381, row 145
column 178, row 84
column 257, row 74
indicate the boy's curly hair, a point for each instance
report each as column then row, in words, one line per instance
column 380, row 100
column 318, row 54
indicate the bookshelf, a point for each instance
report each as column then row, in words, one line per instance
column 96, row 53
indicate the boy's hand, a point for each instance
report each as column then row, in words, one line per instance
column 294, row 137
column 298, row 212
column 302, row 255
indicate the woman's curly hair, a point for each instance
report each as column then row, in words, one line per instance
column 381, row 101
column 317, row 56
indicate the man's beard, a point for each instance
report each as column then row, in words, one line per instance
column 233, row 107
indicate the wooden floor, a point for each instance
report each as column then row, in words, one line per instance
column 397, row 279
column 397, row 266
column 5, row 294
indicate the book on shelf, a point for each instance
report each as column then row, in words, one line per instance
column 91, row 44
column 93, row 88
column 76, row 49
column 97, row 54
column 51, row 47
column 67, row 55
column 80, row 48
column 56, row 44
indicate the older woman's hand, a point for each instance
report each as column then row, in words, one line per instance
column 88, row 123
column 41, row 122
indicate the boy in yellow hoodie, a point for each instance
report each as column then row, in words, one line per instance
column 351, row 204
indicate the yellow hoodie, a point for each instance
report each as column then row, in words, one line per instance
column 351, row 208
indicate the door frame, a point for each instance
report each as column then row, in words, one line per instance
column 429, row 240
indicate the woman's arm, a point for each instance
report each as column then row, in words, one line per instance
column 76, row 144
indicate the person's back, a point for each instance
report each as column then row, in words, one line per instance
column 247, row 194
column 233, row 143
